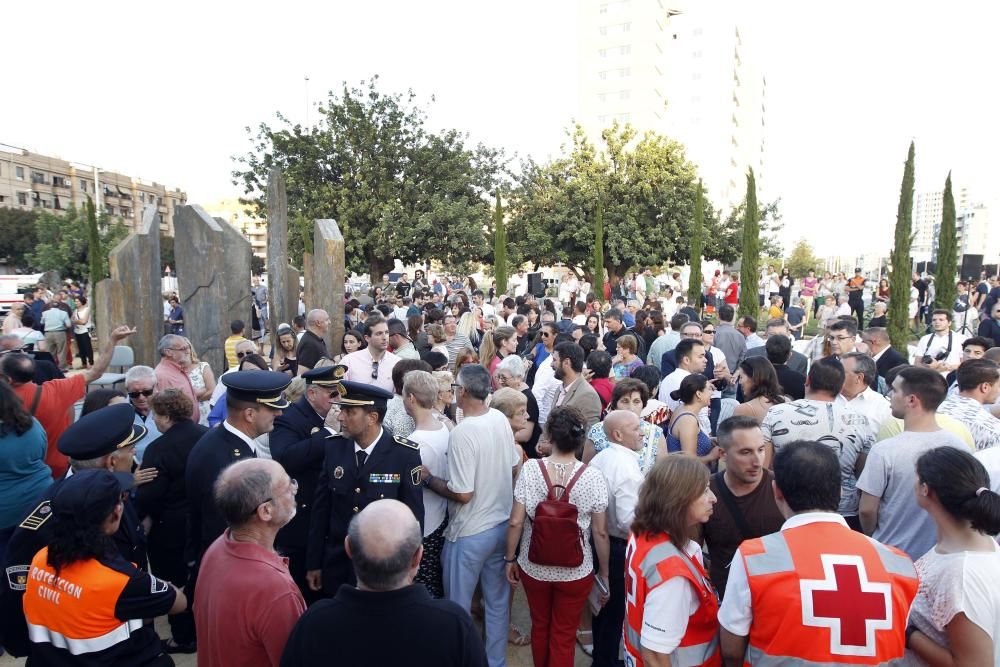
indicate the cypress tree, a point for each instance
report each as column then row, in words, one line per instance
column 947, row 254
column 598, row 285
column 751, row 251
column 697, row 243
column 500, row 247
column 899, row 278
column 97, row 271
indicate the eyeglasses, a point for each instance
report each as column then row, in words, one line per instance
column 375, row 370
column 292, row 484
column 709, row 331
column 834, row 339
column 136, row 394
column 240, row 355
column 456, row 387
column 545, row 334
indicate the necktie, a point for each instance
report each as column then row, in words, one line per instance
column 360, row 456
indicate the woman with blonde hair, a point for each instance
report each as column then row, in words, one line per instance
column 202, row 381
column 666, row 570
column 445, row 398
column 501, row 343
column 468, row 326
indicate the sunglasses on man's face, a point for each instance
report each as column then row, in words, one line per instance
column 136, row 394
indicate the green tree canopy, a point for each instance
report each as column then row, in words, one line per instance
column 751, row 251
column 396, row 189
column 647, row 189
column 63, row 242
column 802, row 259
column 947, row 253
column 18, row 237
column 899, row 277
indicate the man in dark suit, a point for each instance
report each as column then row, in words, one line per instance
column 298, row 443
column 779, row 349
column 885, row 356
column 797, row 361
column 102, row 440
column 361, row 465
column 254, row 399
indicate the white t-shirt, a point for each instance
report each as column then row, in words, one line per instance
column 951, row 584
column 674, row 602
column 434, row 455
column 931, row 344
column 481, row 455
column 849, row 434
column 890, row 474
column 621, row 471
column 869, row 403
column 670, row 384
column 718, row 358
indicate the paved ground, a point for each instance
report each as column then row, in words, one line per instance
column 516, row 656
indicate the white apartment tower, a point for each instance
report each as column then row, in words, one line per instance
column 927, row 210
column 684, row 68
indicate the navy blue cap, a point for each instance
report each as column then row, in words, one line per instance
column 359, row 393
column 264, row 387
column 89, row 495
column 325, row 376
column 101, row 432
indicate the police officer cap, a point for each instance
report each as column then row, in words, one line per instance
column 89, row 495
column 264, row 387
column 326, row 376
column 101, row 432
column 359, row 393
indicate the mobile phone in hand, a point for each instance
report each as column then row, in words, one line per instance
column 601, row 586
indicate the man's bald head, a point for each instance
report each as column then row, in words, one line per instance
column 623, row 427
column 384, row 543
column 316, row 316
column 18, row 368
column 245, row 486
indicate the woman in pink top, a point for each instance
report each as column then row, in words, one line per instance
column 808, row 292
column 495, row 347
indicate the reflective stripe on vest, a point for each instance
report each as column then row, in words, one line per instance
column 758, row 658
column 41, row 634
column 778, row 558
column 682, row 656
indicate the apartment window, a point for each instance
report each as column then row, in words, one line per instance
column 624, row 72
column 625, row 94
column 83, row 184
column 603, row 9
column 37, row 177
column 603, row 53
column 22, row 198
column 60, row 182
column 625, row 50
column 46, row 203
column 626, row 27
column 604, row 31
column 58, row 204
column 602, row 98
column 19, row 173
column 602, row 75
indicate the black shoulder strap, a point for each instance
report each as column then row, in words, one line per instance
column 730, row 500
column 34, row 402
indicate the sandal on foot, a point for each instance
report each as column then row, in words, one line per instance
column 171, row 646
column 516, row 637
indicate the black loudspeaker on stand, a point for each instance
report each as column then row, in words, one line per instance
column 535, row 284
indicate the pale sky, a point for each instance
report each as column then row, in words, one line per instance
column 164, row 91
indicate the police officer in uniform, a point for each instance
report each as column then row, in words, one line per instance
column 363, row 464
column 253, row 400
column 298, row 442
column 102, row 440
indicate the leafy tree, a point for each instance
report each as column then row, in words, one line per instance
column 751, row 251
column 899, row 278
column 597, row 266
column 694, row 283
column 17, row 237
column 167, row 252
column 257, row 265
column 802, row 259
column 500, row 247
column 647, row 188
column 63, row 243
column 395, row 189
column 726, row 243
column 947, row 254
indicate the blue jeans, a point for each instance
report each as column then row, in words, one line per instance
column 479, row 558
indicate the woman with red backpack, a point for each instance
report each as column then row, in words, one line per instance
column 564, row 501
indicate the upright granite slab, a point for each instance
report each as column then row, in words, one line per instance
column 135, row 264
column 327, row 284
column 213, row 276
column 109, row 309
column 281, row 309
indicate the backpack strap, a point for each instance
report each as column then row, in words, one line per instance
column 35, row 401
column 566, row 489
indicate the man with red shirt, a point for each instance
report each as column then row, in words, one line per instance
column 52, row 402
column 732, row 295
column 246, row 602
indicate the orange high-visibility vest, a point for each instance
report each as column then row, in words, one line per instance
column 822, row 593
column 76, row 610
column 650, row 561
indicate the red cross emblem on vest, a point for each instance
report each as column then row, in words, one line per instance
column 847, row 603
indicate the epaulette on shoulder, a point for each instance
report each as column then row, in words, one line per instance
column 406, row 442
column 38, row 516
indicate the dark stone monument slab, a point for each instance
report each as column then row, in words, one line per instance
column 135, row 264
column 327, row 285
column 279, row 307
column 213, row 267
column 109, row 309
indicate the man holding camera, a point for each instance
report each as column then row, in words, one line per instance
column 940, row 350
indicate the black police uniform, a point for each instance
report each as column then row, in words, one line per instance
column 94, row 435
column 217, row 450
column 298, row 442
column 391, row 471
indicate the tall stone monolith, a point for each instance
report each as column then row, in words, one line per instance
column 109, row 309
column 135, row 264
column 213, row 276
column 327, row 284
column 280, row 309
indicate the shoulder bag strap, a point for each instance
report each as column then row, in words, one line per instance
column 35, row 401
column 572, row 481
column 545, row 476
column 734, row 510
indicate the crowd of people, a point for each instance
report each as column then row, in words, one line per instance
column 668, row 484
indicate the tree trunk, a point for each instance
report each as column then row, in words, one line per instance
column 377, row 265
